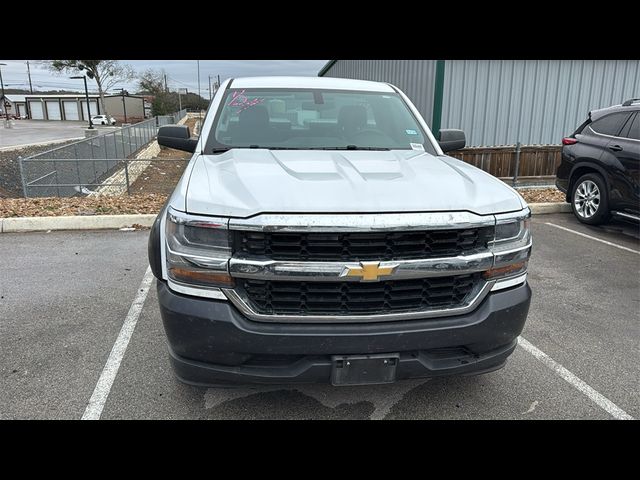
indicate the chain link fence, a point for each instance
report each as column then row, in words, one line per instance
column 93, row 162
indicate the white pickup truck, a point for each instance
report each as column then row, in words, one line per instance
column 320, row 234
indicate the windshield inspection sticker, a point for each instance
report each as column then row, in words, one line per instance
column 417, row 146
column 411, row 132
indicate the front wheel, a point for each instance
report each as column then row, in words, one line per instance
column 589, row 199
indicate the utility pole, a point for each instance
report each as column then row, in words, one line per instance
column 198, row 79
column 209, row 88
column 124, row 105
column 165, row 83
column 218, row 82
column 29, row 73
column 4, row 104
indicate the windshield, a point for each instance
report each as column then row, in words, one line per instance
column 315, row 119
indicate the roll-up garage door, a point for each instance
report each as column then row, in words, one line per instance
column 53, row 111
column 36, row 110
column 22, row 109
column 71, row 110
column 94, row 109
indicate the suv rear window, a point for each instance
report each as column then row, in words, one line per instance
column 611, row 124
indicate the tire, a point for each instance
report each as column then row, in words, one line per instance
column 104, row 123
column 590, row 199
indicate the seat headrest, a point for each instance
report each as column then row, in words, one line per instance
column 352, row 117
column 256, row 115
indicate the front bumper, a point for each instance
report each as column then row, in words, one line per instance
column 212, row 343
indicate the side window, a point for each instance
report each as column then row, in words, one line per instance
column 611, row 124
column 632, row 128
column 582, row 126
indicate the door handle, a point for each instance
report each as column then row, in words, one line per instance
column 615, row 148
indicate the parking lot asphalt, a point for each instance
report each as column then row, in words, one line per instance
column 26, row 132
column 65, row 297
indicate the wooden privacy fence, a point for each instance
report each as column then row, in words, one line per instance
column 517, row 163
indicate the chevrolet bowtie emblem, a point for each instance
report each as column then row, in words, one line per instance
column 368, row 271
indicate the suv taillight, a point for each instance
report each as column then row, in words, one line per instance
column 569, row 141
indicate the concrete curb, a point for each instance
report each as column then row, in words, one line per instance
column 543, row 208
column 114, row 222
column 88, row 222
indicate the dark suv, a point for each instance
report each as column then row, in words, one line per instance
column 600, row 168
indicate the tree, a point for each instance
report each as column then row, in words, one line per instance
column 152, row 82
column 106, row 73
column 165, row 103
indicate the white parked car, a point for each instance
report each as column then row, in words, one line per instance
column 103, row 120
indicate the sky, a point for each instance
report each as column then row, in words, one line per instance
column 180, row 73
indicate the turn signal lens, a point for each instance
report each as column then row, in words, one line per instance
column 506, row 271
column 202, row 277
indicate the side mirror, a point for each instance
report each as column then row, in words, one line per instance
column 451, row 139
column 178, row 137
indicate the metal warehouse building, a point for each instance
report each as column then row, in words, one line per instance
column 60, row 107
column 74, row 106
column 502, row 102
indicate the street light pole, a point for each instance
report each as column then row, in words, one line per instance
column 86, row 94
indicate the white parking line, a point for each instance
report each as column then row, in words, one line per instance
column 110, row 370
column 595, row 396
column 593, row 238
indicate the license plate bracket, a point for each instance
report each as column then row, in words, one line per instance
column 364, row 369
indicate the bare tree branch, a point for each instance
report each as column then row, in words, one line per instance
column 106, row 73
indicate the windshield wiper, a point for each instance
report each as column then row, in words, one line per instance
column 285, row 148
column 353, row 147
column 348, row 147
column 226, row 149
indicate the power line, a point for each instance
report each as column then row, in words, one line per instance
column 178, row 81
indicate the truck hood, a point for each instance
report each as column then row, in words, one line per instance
column 246, row 182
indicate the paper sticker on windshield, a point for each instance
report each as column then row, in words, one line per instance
column 411, row 132
column 417, row 146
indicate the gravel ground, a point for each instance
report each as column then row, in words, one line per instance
column 162, row 175
column 10, row 180
column 97, row 205
column 540, row 195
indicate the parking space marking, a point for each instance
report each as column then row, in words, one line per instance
column 595, row 396
column 110, row 370
column 593, row 238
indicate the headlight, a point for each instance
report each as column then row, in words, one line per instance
column 511, row 247
column 198, row 250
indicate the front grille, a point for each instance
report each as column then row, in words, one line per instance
column 349, row 298
column 360, row 246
